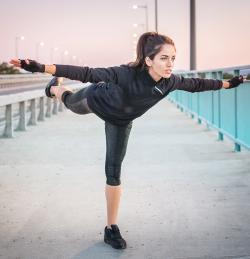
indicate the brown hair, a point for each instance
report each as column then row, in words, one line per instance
column 148, row 45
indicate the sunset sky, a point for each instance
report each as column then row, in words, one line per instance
column 100, row 33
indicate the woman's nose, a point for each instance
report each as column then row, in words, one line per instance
column 170, row 63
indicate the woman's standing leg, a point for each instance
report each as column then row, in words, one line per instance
column 116, row 146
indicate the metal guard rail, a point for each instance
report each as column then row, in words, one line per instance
column 227, row 111
column 52, row 106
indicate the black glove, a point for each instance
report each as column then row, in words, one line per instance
column 235, row 81
column 33, row 66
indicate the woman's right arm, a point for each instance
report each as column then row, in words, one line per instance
column 92, row 75
column 84, row 74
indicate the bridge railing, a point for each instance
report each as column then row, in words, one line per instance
column 226, row 110
column 19, row 110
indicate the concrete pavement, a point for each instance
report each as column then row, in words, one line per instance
column 185, row 195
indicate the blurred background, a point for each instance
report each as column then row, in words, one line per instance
column 104, row 33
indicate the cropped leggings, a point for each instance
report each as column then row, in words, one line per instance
column 116, row 136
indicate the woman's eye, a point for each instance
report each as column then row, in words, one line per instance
column 172, row 59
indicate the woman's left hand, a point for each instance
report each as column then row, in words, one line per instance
column 236, row 81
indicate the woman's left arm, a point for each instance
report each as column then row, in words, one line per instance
column 200, row 85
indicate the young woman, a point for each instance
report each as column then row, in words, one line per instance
column 118, row 95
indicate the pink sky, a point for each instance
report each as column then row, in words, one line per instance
column 100, row 33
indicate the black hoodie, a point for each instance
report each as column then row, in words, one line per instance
column 121, row 94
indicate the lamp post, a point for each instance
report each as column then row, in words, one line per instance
column 65, row 53
column 79, row 61
column 17, row 39
column 135, row 39
column 38, row 44
column 52, row 50
column 192, row 36
column 74, row 60
column 135, row 35
column 145, row 7
column 156, row 16
column 136, row 25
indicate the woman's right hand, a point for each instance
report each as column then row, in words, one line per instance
column 28, row 65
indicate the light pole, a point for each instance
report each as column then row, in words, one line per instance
column 16, row 45
column 79, row 61
column 145, row 7
column 135, row 39
column 74, row 60
column 192, row 36
column 38, row 44
column 65, row 53
column 135, row 35
column 136, row 25
column 156, row 16
column 52, row 50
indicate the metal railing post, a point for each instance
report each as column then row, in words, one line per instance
column 214, row 76
column 41, row 109
column 237, row 147
column 60, row 109
column 22, row 117
column 198, row 104
column 32, row 121
column 48, row 111
column 220, row 134
column 55, row 108
column 8, row 130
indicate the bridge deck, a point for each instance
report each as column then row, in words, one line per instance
column 185, row 195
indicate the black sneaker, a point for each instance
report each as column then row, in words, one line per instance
column 53, row 82
column 113, row 237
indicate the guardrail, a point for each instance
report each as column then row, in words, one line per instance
column 226, row 110
column 27, row 80
column 39, row 107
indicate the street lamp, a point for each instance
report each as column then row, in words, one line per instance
column 74, row 59
column 134, row 42
column 156, row 16
column 38, row 44
column 79, row 61
column 136, row 25
column 145, row 7
column 16, row 44
column 65, row 53
column 52, row 50
column 192, row 35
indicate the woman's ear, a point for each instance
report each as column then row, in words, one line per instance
column 148, row 61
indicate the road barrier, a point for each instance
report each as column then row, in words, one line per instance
column 226, row 110
column 19, row 110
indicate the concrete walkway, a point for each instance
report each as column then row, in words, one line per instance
column 185, row 194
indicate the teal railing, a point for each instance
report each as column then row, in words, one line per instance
column 228, row 111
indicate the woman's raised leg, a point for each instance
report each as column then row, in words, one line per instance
column 75, row 101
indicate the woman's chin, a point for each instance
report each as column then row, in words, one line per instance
column 167, row 75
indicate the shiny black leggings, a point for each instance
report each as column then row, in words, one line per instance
column 116, row 136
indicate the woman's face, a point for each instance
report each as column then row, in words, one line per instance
column 163, row 63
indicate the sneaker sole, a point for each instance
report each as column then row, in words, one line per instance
column 53, row 82
column 109, row 243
